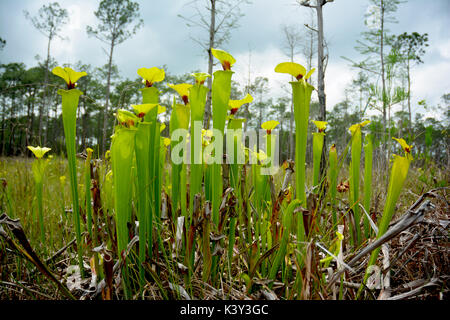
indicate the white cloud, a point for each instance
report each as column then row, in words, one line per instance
column 262, row 64
column 430, row 82
column 444, row 49
column 337, row 77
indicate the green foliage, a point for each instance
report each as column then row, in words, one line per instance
column 116, row 21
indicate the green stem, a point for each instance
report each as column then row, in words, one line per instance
column 151, row 95
column 333, row 176
column 220, row 95
column 301, row 95
column 368, row 157
column 355, row 166
column 70, row 100
column 197, row 99
column 399, row 172
column 142, row 140
column 318, row 138
column 87, row 192
column 122, row 153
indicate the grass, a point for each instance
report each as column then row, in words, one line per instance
column 166, row 266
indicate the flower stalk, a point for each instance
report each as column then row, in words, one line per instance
column 38, row 169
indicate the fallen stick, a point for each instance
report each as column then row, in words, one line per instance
column 433, row 282
column 409, row 219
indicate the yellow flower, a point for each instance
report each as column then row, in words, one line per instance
column 162, row 127
column 89, row 152
column 69, row 75
column 354, row 127
column 294, row 69
column 321, row 125
column 224, row 57
column 234, row 105
column 269, row 125
column 126, row 118
column 38, row 151
column 405, row 147
column 166, row 142
column 151, row 75
column 182, row 89
column 260, row 156
column 142, row 109
column 200, row 77
column 206, row 137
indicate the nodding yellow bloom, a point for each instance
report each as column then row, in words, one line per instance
column 62, row 179
column 321, row 125
column 162, row 127
column 151, row 75
column 69, row 75
column 200, row 77
column 405, row 147
column 38, row 151
column 269, row 126
column 89, row 152
column 166, row 142
column 206, row 137
column 354, row 127
column 126, row 118
column 224, row 57
column 234, row 105
column 182, row 89
column 294, row 69
column 142, row 109
column 261, row 155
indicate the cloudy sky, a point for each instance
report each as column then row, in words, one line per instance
column 165, row 40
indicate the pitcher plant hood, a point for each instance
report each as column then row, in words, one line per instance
column 151, row 75
column 69, row 75
column 234, row 105
column 294, row 69
column 269, row 125
column 224, row 57
column 182, row 89
column 39, row 151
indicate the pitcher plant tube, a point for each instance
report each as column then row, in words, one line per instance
column 142, row 145
column 368, row 160
column 70, row 99
column 122, row 154
column 318, row 138
column 399, row 172
column 301, row 96
column 355, row 164
column 332, row 180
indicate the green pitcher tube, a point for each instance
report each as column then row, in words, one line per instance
column 70, row 99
